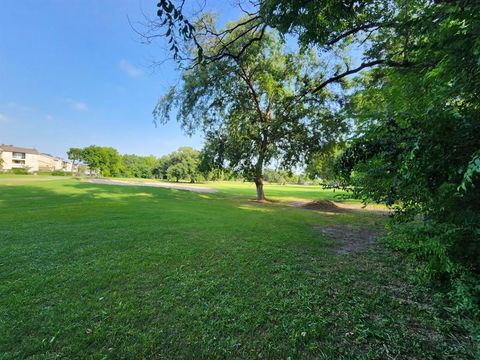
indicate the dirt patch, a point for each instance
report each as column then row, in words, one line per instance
column 336, row 207
column 347, row 240
column 152, row 184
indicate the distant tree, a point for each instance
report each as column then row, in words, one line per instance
column 189, row 157
column 322, row 166
column 177, row 172
column 138, row 166
column 185, row 163
column 75, row 155
column 82, row 169
column 161, row 166
column 253, row 109
column 104, row 160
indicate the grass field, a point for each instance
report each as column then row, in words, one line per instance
column 102, row 271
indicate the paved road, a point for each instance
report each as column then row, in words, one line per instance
column 152, row 184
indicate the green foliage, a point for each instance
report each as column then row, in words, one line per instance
column 437, row 249
column 60, row 173
column 75, row 154
column 470, row 177
column 252, row 109
column 176, row 25
column 55, row 173
column 103, row 160
column 176, row 172
column 106, row 161
column 139, row 166
column 416, row 112
column 417, row 145
column 284, row 177
column 182, row 164
column 20, row 171
column 322, row 165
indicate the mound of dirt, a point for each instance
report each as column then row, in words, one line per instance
column 323, row 205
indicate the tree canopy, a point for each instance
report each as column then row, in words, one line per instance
column 107, row 161
column 254, row 110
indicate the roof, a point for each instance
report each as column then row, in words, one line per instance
column 11, row 148
column 54, row 157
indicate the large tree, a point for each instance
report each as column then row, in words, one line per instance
column 253, row 109
column 103, row 160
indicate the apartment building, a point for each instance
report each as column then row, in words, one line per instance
column 14, row 157
column 47, row 162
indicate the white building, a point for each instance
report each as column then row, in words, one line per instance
column 47, row 162
column 31, row 159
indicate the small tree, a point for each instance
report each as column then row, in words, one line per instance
column 75, row 155
column 177, row 172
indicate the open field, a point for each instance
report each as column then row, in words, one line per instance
column 105, row 271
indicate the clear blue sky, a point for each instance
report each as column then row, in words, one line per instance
column 73, row 73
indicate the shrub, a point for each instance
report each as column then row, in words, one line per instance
column 60, row 173
column 20, row 171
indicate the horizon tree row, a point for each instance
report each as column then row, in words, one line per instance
column 184, row 164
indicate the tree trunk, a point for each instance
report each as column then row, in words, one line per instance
column 259, row 176
column 259, row 186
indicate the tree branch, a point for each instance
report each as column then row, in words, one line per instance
column 354, row 31
column 359, row 68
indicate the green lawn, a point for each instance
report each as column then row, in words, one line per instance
column 101, row 271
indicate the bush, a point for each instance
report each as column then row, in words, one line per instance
column 20, row 171
column 60, row 173
column 444, row 253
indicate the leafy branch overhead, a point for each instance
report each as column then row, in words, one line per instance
column 309, row 20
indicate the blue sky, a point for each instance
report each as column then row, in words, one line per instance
column 73, row 73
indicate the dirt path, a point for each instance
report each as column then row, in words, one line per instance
column 151, row 184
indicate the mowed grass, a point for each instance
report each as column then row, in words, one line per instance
column 109, row 272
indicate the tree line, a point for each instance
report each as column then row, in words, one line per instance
column 184, row 164
column 180, row 165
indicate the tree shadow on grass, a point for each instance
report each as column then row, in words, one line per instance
column 87, row 268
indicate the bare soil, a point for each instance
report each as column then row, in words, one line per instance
column 346, row 239
column 336, row 207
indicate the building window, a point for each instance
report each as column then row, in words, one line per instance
column 18, row 155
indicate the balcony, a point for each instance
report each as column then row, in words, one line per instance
column 18, row 156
